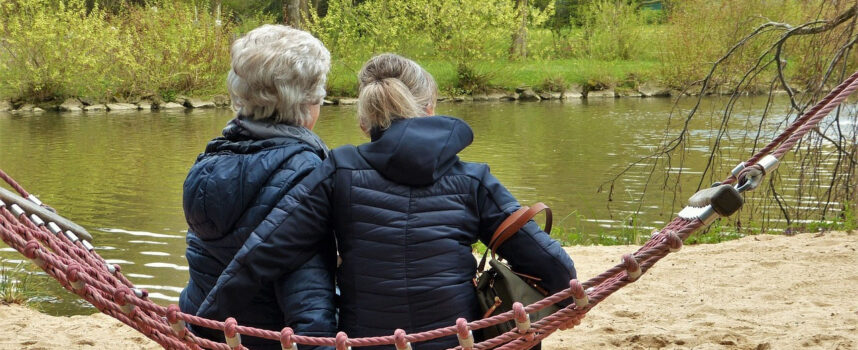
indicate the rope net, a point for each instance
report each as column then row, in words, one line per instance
column 76, row 265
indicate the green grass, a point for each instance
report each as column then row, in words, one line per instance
column 14, row 284
column 507, row 75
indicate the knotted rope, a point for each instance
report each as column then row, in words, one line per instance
column 79, row 269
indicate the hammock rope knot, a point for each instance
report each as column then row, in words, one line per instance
column 343, row 341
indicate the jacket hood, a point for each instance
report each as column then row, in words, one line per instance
column 417, row 151
column 238, row 176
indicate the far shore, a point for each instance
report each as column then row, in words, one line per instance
column 759, row 292
column 222, row 101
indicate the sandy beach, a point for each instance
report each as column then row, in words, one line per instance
column 759, row 292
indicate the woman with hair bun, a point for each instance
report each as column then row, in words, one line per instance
column 405, row 211
column 277, row 83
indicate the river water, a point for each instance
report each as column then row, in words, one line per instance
column 120, row 174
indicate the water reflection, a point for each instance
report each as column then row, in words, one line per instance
column 120, row 175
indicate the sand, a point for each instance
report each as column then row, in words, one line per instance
column 759, row 292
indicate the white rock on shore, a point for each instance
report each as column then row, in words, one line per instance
column 5, row 106
column 197, row 103
column 629, row 93
column 574, row 91
column 652, row 90
column 171, row 105
column 495, row 96
column 71, row 105
column 121, row 107
column 607, row 93
column 527, row 94
column 348, row 101
column 95, row 108
column 27, row 107
column 510, row 97
column 572, row 94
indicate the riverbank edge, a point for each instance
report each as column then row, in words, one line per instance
column 523, row 94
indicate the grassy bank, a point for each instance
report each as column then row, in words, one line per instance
column 542, row 75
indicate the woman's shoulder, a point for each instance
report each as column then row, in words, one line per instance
column 476, row 170
column 347, row 157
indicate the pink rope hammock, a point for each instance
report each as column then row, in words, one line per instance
column 53, row 244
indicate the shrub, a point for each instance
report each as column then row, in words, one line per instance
column 612, row 30
column 470, row 81
column 177, row 48
column 700, row 32
column 14, row 284
column 460, row 31
column 53, row 49
column 555, row 83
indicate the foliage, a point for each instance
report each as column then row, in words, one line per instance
column 702, row 31
column 462, row 31
column 123, row 48
column 553, row 83
column 469, row 81
column 611, row 30
column 14, row 284
column 178, row 48
column 50, row 50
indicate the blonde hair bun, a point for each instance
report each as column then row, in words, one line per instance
column 393, row 87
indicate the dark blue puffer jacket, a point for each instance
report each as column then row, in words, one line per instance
column 228, row 192
column 406, row 211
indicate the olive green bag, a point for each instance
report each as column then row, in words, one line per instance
column 500, row 287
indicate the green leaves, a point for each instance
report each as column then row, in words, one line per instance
column 459, row 31
column 51, row 49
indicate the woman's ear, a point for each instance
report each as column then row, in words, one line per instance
column 430, row 109
column 315, row 110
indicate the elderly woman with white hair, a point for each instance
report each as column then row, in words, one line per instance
column 277, row 83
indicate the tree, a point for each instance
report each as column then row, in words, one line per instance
column 296, row 12
column 819, row 49
column 519, row 38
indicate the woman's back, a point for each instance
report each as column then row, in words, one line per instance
column 223, row 206
column 405, row 236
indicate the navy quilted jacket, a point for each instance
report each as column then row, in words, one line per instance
column 228, row 192
column 406, row 211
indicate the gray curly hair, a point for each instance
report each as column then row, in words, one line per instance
column 277, row 71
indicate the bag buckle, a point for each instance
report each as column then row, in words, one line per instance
column 494, row 307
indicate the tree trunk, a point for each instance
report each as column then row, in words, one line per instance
column 292, row 14
column 519, row 39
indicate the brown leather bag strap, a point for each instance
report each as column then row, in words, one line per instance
column 503, row 233
column 512, row 224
